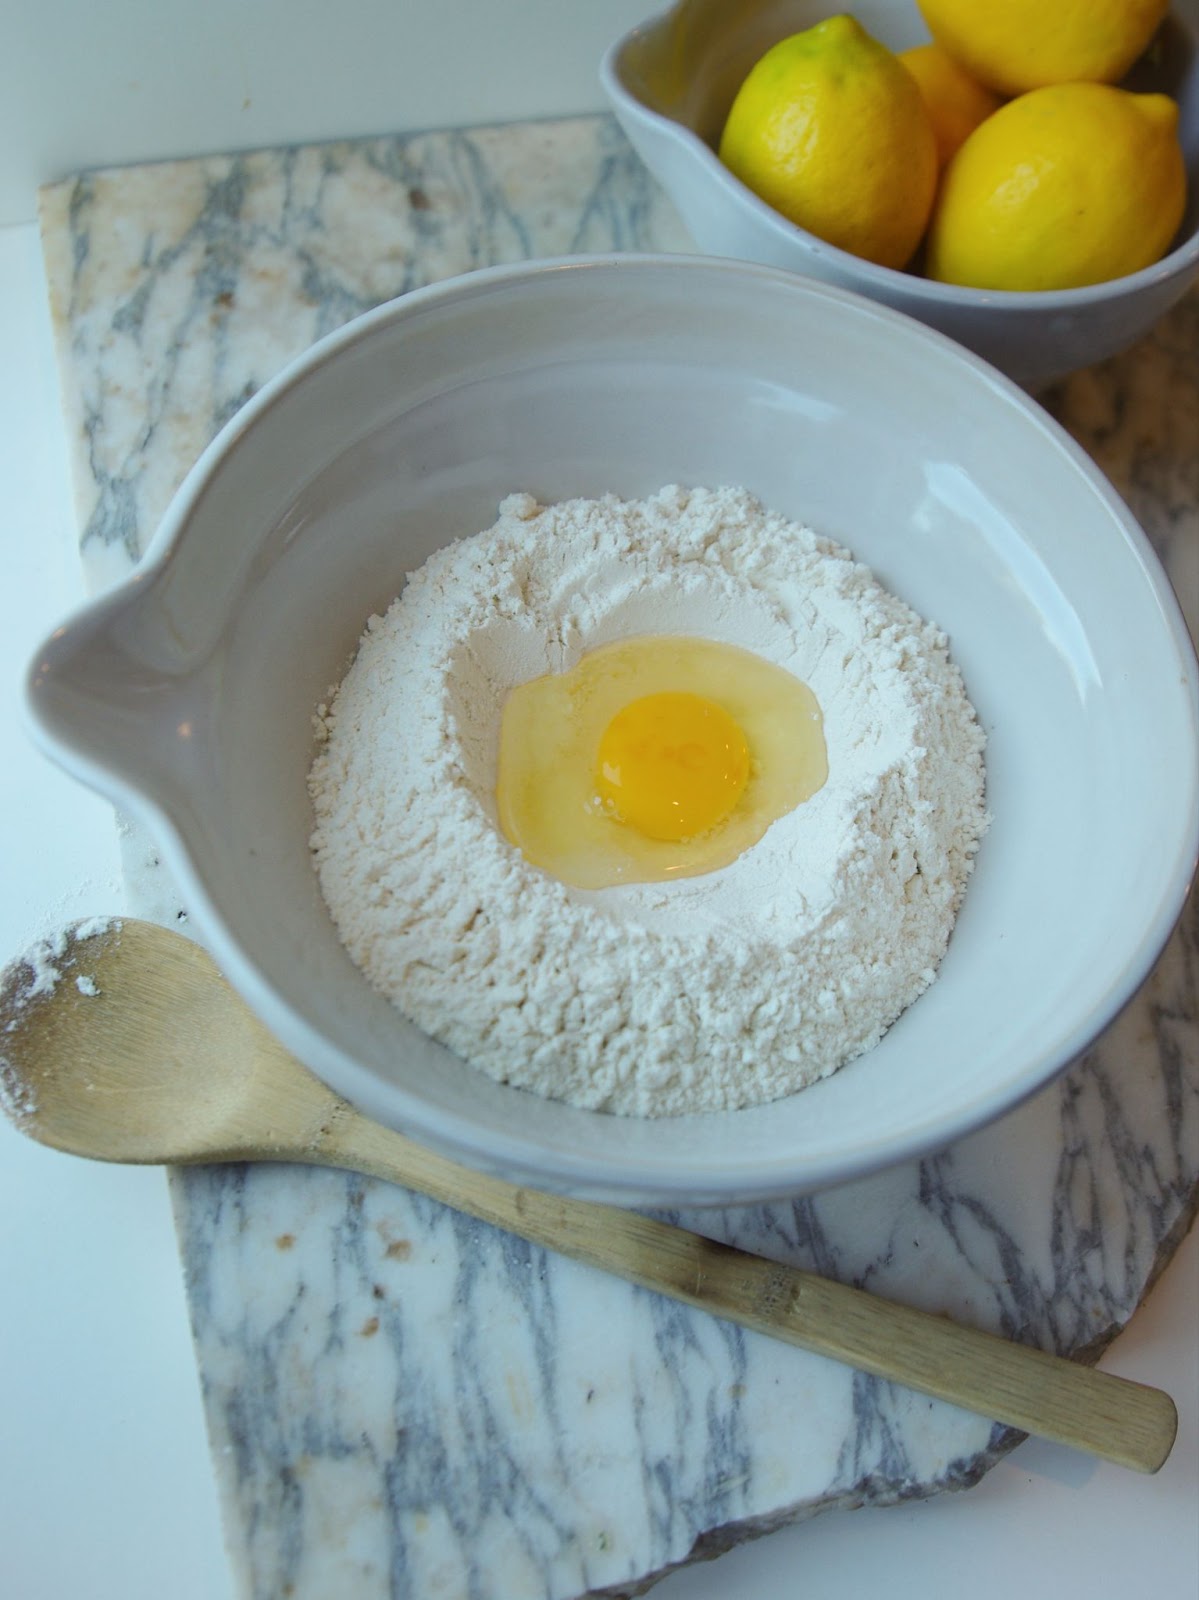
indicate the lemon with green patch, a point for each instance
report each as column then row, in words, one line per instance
column 831, row 130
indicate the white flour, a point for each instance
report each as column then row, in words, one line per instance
column 652, row 999
column 26, row 982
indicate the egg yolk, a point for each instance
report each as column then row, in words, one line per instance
column 673, row 766
column 654, row 758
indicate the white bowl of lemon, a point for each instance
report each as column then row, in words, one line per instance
column 1036, row 197
column 194, row 694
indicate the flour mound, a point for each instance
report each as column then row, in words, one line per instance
column 711, row 993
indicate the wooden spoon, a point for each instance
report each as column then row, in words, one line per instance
column 131, row 1047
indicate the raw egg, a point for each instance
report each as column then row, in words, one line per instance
column 653, row 758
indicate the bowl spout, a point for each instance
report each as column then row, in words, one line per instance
column 105, row 699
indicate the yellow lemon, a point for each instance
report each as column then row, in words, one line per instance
column 830, row 130
column 956, row 102
column 1015, row 45
column 1062, row 187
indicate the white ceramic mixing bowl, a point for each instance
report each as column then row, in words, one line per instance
column 672, row 80
column 187, row 693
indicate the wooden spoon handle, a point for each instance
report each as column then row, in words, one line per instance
column 1026, row 1388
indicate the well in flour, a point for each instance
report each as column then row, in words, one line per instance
column 654, row 999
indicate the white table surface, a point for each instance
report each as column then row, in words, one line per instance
column 105, row 1485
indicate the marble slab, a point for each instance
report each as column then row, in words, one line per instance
column 405, row 1403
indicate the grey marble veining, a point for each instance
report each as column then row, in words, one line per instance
column 405, row 1403
column 179, row 288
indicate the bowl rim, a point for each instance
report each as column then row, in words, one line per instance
column 916, row 289
column 505, row 1153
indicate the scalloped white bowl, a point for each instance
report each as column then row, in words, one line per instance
column 671, row 82
column 186, row 694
